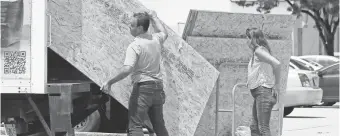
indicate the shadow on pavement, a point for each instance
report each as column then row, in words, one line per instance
column 303, row 117
column 330, row 107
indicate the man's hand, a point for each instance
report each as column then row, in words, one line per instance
column 152, row 14
column 157, row 24
column 106, row 86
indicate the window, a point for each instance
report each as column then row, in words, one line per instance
column 312, row 62
column 327, row 62
column 332, row 70
column 300, row 65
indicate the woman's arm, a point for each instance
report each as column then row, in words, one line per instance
column 268, row 58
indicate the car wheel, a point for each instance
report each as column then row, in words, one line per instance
column 288, row 110
column 89, row 124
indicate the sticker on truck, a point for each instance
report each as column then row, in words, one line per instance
column 15, row 43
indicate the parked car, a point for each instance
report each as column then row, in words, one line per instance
column 337, row 54
column 310, row 74
column 304, row 65
column 324, row 60
column 302, row 90
column 313, row 63
column 329, row 82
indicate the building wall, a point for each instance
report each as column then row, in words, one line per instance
column 307, row 40
column 310, row 42
column 306, row 37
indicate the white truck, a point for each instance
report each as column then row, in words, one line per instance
column 40, row 91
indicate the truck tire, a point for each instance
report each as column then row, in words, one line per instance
column 287, row 110
column 89, row 124
column 21, row 125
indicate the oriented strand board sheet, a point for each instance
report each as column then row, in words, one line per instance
column 93, row 35
column 234, row 25
column 231, row 56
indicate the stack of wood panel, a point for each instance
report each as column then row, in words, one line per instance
column 93, row 36
column 220, row 38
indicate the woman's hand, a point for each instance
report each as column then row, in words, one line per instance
column 276, row 92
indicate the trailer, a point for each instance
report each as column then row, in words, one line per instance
column 55, row 53
column 41, row 91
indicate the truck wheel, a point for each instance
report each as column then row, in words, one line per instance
column 287, row 110
column 20, row 125
column 89, row 124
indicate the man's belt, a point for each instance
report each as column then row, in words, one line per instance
column 149, row 82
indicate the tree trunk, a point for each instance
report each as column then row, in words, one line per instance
column 329, row 46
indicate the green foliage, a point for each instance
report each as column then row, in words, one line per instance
column 325, row 13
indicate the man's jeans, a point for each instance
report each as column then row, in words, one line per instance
column 147, row 100
column 264, row 101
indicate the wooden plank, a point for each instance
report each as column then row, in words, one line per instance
column 221, row 52
column 189, row 27
column 60, row 111
column 40, row 116
column 57, row 88
column 234, row 25
column 93, row 35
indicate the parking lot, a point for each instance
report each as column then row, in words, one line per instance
column 315, row 121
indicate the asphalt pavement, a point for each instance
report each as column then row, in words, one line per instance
column 314, row 121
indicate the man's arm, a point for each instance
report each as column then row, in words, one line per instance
column 123, row 72
column 158, row 26
column 129, row 63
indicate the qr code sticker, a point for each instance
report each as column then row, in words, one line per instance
column 14, row 62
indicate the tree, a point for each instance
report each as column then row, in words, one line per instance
column 325, row 13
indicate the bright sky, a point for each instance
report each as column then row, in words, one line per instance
column 174, row 11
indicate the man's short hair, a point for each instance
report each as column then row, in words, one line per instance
column 142, row 20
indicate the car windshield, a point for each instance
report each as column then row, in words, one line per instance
column 332, row 69
column 327, row 62
column 300, row 65
column 312, row 62
column 322, row 60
